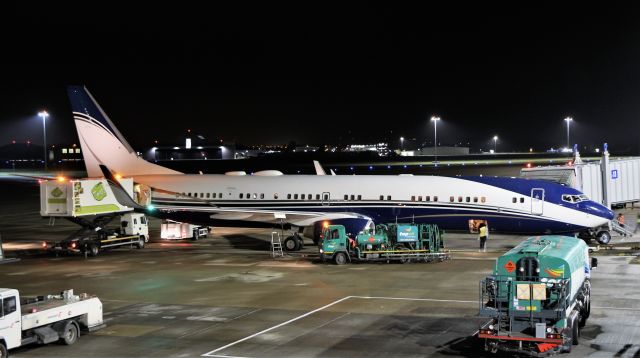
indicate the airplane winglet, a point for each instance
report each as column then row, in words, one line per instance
column 319, row 169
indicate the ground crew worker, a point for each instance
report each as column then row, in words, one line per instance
column 621, row 219
column 483, row 232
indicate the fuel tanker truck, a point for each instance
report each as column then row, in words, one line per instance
column 386, row 242
column 538, row 297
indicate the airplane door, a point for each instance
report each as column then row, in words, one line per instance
column 537, row 201
column 326, row 197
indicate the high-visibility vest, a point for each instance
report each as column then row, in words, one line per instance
column 621, row 219
column 483, row 231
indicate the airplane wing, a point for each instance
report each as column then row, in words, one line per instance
column 296, row 218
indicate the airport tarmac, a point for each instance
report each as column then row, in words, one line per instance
column 225, row 297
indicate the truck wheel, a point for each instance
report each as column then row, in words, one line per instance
column 140, row 243
column 4, row 353
column 575, row 331
column 93, row 250
column 70, row 333
column 340, row 258
column 585, row 312
column 291, row 244
column 603, row 237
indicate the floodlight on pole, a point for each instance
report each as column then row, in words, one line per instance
column 568, row 120
column 44, row 116
column 435, row 121
column 495, row 144
column 401, row 144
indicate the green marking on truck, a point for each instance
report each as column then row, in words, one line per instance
column 98, row 192
column 96, row 209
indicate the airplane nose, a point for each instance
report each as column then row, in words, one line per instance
column 600, row 210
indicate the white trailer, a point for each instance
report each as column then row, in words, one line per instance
column 173, row 230
column 46, row 319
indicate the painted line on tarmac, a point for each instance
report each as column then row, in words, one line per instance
column 212, row 353
column 616, row 308
column 412, row 299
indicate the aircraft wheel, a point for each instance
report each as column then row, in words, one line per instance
column 291, row 244
column 603, row 237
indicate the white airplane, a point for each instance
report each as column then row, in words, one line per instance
column 271, row 199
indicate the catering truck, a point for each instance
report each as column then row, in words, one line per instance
column 92, row 204
column 385, row 242
column 46, row 319
column 538, row 297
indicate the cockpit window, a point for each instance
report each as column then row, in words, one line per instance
column 574, row 198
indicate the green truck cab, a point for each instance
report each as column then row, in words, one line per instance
column 538, row 297
column 390, row 242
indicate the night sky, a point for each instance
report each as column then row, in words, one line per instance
column 327, row 72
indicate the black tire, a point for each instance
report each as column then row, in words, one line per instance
column 340, row 258
column 575, row 331
column 291, row 244
column 94, row 250
column 4, row 353
column 603, row 237
column 585, row 312
column 140, row 243
column 70, row 333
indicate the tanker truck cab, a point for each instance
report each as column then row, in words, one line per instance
column 334, row 244
column 538, row 297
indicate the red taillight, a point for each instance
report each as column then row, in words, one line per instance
column 44, row 245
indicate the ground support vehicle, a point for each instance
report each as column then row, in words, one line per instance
column 538, row 298
column 46, row 319
column 387, row 242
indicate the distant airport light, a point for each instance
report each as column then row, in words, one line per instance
column 44, row 115
column 495, row 143
column 435, row 120
column 568, row 120
column 597, row 150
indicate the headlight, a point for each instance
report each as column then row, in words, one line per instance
column 549, row 330
column 491, row 327
column 321, row 251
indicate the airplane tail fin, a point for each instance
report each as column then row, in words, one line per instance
column 102, row 143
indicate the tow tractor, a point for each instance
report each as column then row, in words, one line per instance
column 46, row 319
column 92, row 204
column 386, row 242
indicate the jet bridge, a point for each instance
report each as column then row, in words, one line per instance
column 609, row 181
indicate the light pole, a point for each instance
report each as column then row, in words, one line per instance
column 495, row 144
column 401, row 144
column 568, row 120
column 435, row 120
column 44, row 116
